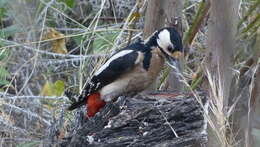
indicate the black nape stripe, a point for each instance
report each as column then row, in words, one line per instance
column 146, row 50
column 147, row 59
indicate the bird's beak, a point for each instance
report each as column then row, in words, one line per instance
column 176, row 54
column 173, row 59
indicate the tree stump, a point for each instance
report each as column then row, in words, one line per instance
column 158, row 119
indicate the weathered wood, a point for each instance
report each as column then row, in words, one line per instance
column 223, row 18
column 154, row 17
column 145, row 120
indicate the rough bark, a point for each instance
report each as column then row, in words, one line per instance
column 145, row 120
column 154, row 17
column 221, row 42
column 162, row 13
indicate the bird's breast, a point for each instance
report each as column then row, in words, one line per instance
column 135, row 80
column 140, row 78
column 156, row 64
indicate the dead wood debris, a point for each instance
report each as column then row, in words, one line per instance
column 161, row 119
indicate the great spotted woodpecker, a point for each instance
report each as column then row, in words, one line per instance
column 130, row 70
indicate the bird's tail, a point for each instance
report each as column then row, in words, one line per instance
column 94, row 104
column 76, row 105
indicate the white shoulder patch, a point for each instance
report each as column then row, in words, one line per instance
column 139, row 58
column 114, row 57
column 164, row 39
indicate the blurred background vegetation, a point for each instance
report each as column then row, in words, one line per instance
column 50, row 46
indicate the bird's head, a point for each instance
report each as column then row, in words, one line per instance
column 170, row 43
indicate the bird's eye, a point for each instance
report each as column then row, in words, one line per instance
column 170, row 49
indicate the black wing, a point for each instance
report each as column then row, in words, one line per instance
column 115, row 69
column 109, row 72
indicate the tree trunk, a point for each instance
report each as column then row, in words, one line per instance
column 221, row 43
column 154, row 17
column 221, row 40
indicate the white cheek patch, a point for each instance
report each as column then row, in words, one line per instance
column 164, row 39
column 114, row 57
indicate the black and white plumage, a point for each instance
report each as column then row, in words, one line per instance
column 131, row 69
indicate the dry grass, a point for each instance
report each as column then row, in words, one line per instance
column 27, row 118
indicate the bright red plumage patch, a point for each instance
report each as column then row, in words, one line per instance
column 94, row 104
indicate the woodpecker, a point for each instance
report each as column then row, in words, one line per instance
column 130, row 70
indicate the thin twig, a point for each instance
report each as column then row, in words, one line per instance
column 8, row 125
column 8, row 97
column 167, row 122
column 29, row 113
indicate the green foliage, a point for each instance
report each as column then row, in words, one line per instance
column 196, row 22
column 196, row 82
column 164, row 77
column 4, row 53
column 53, row 89
column 106, row 42
column 69, row 3
column 256, row 136
column 59, row 87
column 3, row 4
column 79, row 39
column 249, row 13
column 255, row 24
column 251, row 19
column 29, row 144
column 4, row 74
column 8, row 31
column 2, row 12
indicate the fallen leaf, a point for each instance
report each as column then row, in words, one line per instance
column 58, row 43
column 53, row 89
